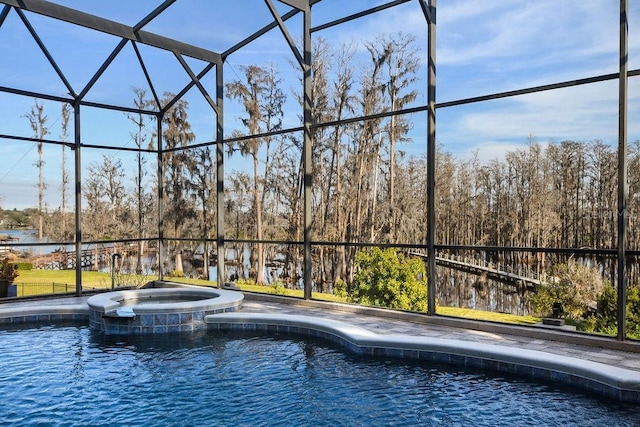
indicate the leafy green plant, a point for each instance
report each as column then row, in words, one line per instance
column 176, row 273
column 388, row 278
column 575, row 286
column 340, row 289
column 8, row 270
column 277, row 288
column 606, row 321
column 23, row 266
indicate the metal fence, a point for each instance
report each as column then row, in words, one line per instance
column 44, row 288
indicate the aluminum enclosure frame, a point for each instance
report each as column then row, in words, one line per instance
column 135, row 34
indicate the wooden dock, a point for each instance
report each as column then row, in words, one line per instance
column 61, row 260
column 489, row 270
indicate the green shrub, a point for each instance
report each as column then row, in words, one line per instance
column 340, row 288
column 387, row 278
column 176, row 273
column 245, row 282
column 576, row 286
column 8, row 270
column 606, row 321
column 277, row 288
column 23, row 266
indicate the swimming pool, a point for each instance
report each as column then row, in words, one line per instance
column 73, row 375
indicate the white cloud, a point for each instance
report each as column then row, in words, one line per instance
column 494, row 46
column 545, row 29
column 583, row 113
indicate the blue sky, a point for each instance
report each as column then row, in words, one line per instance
column 482, row 47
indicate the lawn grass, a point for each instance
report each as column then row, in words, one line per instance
column 490, row 316
column 92, row 279
column 464, row 313
column 41, row 282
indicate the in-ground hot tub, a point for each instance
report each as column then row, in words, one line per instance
column 158, row 310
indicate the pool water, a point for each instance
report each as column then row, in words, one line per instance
column 75, row 376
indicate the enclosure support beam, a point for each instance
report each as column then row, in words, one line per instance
column 146, row 75
column 196, row 81
column 430, row 13
column 160, row 171
column 78, row 198
column 4, row 13
column 623, row 186
column 102, row 69
column 285, row 33
column 44, row 50
column 157, row 11
column 307, row 152
column 188, row 87
column 359, row 15
column 220, row 175
column 260, row 32
column 298, row 4
column 97, row 23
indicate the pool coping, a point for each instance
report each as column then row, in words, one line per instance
column 78, row 312
column 612, row 381
column 216, row 299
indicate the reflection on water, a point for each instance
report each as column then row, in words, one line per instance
column 75, row 376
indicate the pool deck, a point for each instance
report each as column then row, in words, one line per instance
column 607, row 351
column 579, row 354
column 625, row 356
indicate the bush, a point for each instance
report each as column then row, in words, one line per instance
column 23, row 266
column 340, row 289
column 606, row 321
column 389, row 279
column 576, row 286
column 8, row 270
column 277, row 288
column 176, row 273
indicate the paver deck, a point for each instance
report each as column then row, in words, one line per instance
column 381, row 325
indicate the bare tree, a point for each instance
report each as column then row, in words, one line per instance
column 634, row 195
column 601, row 185
column 140, row 137
column 568, row 164
column 180, row 208
column 37, row 120
column 95, row 218
column 104, row 193
column 365, row 154
column 64, row 178
column 399, row 55
column 343, row 103
column 262, row 101
column 238, row 206
column 202, row 186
